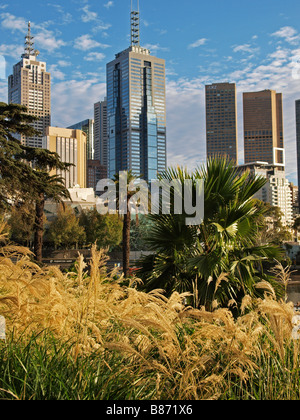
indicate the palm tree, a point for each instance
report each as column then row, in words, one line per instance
column 126, row 220
column 42, row 186
column 219, row 258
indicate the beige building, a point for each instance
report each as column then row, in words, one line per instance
column 70, row 145
column 30, row 85
column 221, row 121
column 263, row 127
column 276, row 191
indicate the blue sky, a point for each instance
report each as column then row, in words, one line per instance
column 255, row 44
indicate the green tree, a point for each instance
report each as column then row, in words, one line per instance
column 21, row 222
column 65, row 231
column 106, row 229
column 272, row 230
column 218, row 259
column 25, row 172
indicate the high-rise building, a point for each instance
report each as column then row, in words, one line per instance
column 298, row 141
column 100, row 132
column 221, row 121
column 30, row 85
column 276, row 191
column 95, row 172
column 87, row 126
column 136, row 110
column 70, row 145
column 263, row 127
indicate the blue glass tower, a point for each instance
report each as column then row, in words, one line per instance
column 136, row 110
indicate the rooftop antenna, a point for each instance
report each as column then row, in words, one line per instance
column 135, row 25
column 29, row 44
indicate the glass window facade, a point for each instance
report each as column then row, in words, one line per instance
column 136, row 114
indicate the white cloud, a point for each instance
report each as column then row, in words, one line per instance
column 56, row 73
column 12, row 50
column 88, row 15
column 155, row 47
column 198, row 43
column 73, row 100
column 288, row 34
column 94, row 56
column 245, row 48
column 13, row 23
column 85, row 42
column 47, row 40
column 108, row 4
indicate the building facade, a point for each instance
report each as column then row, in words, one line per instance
column 101, row 133
column 95, row 172
column 276, row 191
column 30, row 85
column 263, row 127
column 87, row 126
column 136, row 110
column 221, row 121
column 70, row 145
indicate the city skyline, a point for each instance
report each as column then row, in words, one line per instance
column 79, row 38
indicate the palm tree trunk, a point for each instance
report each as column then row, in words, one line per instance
column 39, row 228
column 126, row 243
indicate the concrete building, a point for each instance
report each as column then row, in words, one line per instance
column 276, row 191
column 221, row 121
column 30, row 85
column 101, row 133
column 70, row 145
column 263, row 127
column 136, row 110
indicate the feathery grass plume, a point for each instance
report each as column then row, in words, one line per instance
column 91, row 335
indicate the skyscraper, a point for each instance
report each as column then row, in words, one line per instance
column 30, row 85
column 100, row 132
column 221, row 121
column 87, row 126
column 136, row 110
column 263, row 127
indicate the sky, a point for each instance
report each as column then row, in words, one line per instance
column 255, row 44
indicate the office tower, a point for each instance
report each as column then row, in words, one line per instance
column 95, row 172
column 298, row 140
column 30, row 85
column 136, row 110
column 100, row 133
column 70, row 145
column 263, row 127
column 221, row 121
column 87, row 126
column 276, row 191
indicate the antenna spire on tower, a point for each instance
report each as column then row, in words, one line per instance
column 135, row 25
column 29, row 44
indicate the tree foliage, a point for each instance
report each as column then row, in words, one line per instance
column 106, row 230
column 218, row 260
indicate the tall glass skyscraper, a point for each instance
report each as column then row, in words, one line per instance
column 136, row 110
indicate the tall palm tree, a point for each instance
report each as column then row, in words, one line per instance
column 126, row 219
column 218, row 258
